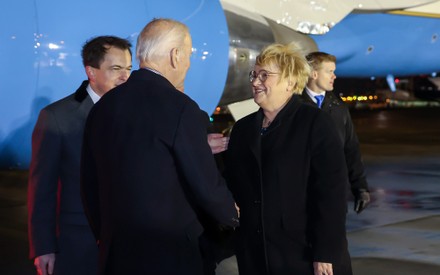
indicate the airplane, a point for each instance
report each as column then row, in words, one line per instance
column 40, row 44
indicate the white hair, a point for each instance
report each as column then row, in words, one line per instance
column 158, row 37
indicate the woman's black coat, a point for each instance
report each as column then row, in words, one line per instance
column 290, row 185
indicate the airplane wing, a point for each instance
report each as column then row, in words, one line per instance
column 318, row 16
column 431, row 10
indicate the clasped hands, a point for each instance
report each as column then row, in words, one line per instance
column 217, row 142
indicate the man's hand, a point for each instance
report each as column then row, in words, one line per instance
column 238, row 210
column 44, row 264
column 322, row 268
column 217, row 142
column 361, row 199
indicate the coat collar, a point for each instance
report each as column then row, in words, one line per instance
column 81, row 92
column 82, row 97
column 282, row 117
column 284, row 114
column 330, row 100
column 306, row 98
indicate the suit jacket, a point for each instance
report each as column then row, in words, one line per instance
column 53, row 190
column 290, row 186
column 146, row 171
column 347, row 134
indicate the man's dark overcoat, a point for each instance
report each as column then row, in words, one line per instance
column 347, row 134
column 147, row 170
column 56, row 219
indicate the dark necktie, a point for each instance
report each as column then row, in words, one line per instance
column 319, row 99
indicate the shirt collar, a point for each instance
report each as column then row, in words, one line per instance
column 312, row 93
column 152, row 70
column 94, row 96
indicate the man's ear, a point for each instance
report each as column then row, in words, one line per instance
column 175, row 58
column 314, row 74
column 90, row 71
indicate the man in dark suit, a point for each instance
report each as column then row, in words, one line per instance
column 319, row 92
column 147, row 171
column 60, row 238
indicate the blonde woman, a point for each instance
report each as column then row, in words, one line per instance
column 286, row 169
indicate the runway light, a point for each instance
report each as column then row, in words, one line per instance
column 53, row 46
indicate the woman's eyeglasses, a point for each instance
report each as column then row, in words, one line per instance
column 261, row 75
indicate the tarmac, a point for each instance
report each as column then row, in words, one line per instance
column 399, row 233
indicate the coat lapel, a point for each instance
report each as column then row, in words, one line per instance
column 290, row 110
column 84, row 100
column 255, row 137
column 85, row 107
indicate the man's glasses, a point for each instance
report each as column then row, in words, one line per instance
column 262, row 75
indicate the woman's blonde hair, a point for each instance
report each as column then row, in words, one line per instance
column 290, row 60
